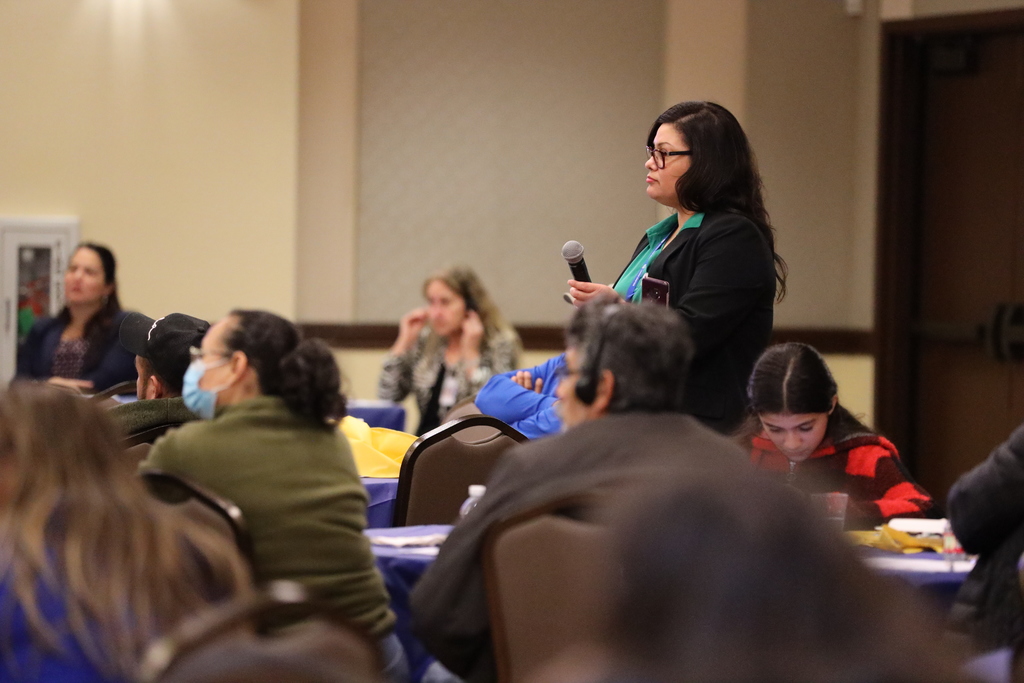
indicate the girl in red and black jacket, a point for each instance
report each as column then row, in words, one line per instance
column 798, row 429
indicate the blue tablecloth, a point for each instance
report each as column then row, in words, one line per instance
column 378, row 413
column 381, row 509
column 402, row 568
column 928, row 571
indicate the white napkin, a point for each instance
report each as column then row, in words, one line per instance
column 409, row 541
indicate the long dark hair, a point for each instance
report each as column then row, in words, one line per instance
column 793, row 378
column 736, row 579
column 723, row 174
column 302, row 372
column 100, row 326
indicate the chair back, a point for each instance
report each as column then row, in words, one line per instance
column 465, row 408
column 149, row 435
column 137, row 453
column 462, row 408
column 203, row 506
column 236, row 642
column 439, row 468
column 545, row 582
column 115, row 390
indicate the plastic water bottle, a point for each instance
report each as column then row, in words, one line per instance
column 951, row 548
column 476, row 492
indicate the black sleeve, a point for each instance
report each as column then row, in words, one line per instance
column 117, row 365
column 734, row 267
column 987, row 504
column 29, row 350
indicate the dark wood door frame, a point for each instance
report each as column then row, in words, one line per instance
column 903, row 81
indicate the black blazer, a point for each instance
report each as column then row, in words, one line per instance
column 722, row 280
column 35, row 355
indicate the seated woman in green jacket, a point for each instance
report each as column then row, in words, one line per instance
column 268, row 442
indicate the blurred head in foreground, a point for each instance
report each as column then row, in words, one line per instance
column 739, row 582
column 91, row 568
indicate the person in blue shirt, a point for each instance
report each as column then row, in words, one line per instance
column 525, row 399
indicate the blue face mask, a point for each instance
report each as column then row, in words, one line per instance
column 202, row 402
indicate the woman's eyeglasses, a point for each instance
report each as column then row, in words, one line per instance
column 196, row 353
column 659, row 156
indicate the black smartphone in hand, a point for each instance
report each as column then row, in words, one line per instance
column 654, row 290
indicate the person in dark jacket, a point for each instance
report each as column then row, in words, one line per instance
column 716, row 252
column 163, row 352
column 79, row 348
column 986, row 511
column 621, row 400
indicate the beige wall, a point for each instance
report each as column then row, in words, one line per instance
column 492, row 133
column 169, row 128
column 706, row 53
column 801, row 84
column 328, row 159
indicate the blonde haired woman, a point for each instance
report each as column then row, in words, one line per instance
column 449, row 348
column 91, row 568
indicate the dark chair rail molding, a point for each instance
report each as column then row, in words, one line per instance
column 551, row 337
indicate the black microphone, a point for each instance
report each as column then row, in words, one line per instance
column 572, row 252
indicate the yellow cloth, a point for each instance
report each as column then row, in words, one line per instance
column 891, row 539
column 378, row 452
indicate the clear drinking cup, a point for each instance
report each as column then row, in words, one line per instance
column 831, row 506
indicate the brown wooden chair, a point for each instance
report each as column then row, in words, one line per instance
column 116, row 390
column 149, row 435
column 463, row 408
column 545, row 582
column 438, row 469
column 202, row 505
column 466, row 408
column 236, row 642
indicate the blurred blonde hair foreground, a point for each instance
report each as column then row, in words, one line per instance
column 77, row 524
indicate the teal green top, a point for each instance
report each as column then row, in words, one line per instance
column 628, row 284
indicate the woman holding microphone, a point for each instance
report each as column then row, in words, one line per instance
column 716, row 252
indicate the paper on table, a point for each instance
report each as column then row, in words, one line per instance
column 409, row 541
column 918, row 526
column 919, row 564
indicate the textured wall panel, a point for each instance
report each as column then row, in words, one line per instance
column 492, row 131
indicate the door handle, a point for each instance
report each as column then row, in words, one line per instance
column 1004, row 334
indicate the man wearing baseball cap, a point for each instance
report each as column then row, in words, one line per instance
column 162, row 355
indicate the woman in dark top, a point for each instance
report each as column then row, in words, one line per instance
column 79, row 349
column 717, row 253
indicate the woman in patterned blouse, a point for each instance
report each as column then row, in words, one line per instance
column 448, row 349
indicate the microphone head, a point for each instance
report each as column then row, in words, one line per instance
column 572, row 251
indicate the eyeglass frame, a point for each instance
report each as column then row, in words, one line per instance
column 659, row 155
column 197, row 353
column 563, row 372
